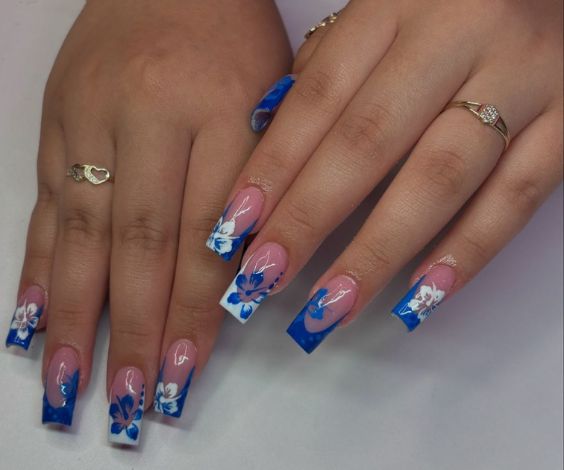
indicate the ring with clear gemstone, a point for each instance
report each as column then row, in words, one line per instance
column 488, row 114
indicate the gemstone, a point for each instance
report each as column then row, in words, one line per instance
column 488, row 114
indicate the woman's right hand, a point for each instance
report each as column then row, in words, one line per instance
column 159, row 94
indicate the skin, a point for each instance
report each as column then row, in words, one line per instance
column 134, row 90
column 372, row 88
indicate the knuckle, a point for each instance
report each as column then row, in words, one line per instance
column 129, row 330
column 149, row 75
column 525, row 194
column 192, row 313
column 71, row 318
column 144, row 231
column 374, row 255
column 443, row 171
column 81, row 225
column 298, row 220
column 476, row 245
column 363, row 132
column 270, row 159
column 317, row 89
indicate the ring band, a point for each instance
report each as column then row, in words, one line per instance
column 90, row 173
column 488, row 114
column 324, row 22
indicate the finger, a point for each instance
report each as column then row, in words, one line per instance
column 524, row 178
column 80, row 272
column 338, row 67
column 194, row 316
column 450, row 161
column 367, row 140
column 152, row 160
column 41, row 236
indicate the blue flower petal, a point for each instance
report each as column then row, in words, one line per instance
column 246, row 311
column 234, row 298
column 115, row 411
column 241, row 280
column 256, row 279
column 138, row 415
column 317, row 313
column 126, row 405
column 132, row 431
column 116, row 428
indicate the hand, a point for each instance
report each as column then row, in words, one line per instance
column 371, row 88
column 158, row 93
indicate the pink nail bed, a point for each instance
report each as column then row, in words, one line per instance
column 236, row 222
column 175, row 378
column 426, row 295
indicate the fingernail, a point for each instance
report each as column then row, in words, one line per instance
column 174, row 378
column 425, row 296
column 259, row 275
column 26, row 317
column 269, row 103
column 126, row 406
column 323, row 312
column 61, row 387
column 236, row 222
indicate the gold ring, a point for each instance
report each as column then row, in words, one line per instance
column 90, row 173
column 488, row 114
column 324, row 22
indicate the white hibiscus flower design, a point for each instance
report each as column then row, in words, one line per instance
column 25, row 320
column 426, row 300
column 166, row 398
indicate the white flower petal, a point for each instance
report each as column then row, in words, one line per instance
column 23, row 333
column 171, row 390
column 227, row 228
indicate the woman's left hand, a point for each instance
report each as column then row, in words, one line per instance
column 370, row 88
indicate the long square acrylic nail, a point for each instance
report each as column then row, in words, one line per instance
column 26, row 317
column 266, row 108
column 175, row 377
column 61, row 387
column 258, row 276
column 425, row 296
column 323, row 312
column 127, row 398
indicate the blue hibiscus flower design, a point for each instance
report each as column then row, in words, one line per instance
column 124, row 416
column 250, row 292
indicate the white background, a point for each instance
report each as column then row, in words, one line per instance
column 479, row 386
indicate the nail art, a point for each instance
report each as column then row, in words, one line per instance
column 323, row 312
column 26, row 317
column 425, row 296
column 236, row 222
column 269, row 103
column 174, row 378
column 260, row 274
column 61, row 387
column 126, row 406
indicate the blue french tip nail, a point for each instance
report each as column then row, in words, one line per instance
column 267, row 106
column 425, row 296
column 323, row 312
column 61, row 387
column 26, row 317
